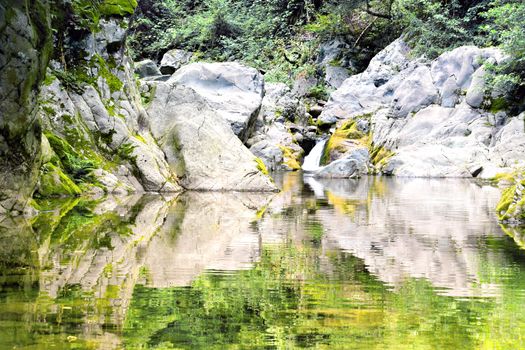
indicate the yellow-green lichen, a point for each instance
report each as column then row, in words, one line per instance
column 337, row 143
column 379, row 155
column 260, row 166
column 290, row 158
column 512, row 202
column 504, row 178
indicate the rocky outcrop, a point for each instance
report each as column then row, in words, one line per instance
column 96, row 125
column 427, row 119
column 198, row 141
column 25, row 44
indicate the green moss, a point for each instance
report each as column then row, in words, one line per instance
column 75, row 79
column 498, row 104
column 318, row 92
column 125, row 152
column 89, row 12
column 50, row 78
column 147, row 97
column 75, row 164
column 48, row 110
column 260, row 166
column 104, row 70
column 53, row 182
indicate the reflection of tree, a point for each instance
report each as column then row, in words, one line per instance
column 83, row 261
column 287, row 301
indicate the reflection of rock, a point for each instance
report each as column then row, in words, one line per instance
column 103, row 254
column 18, row 244
column 205, row 231
column 399, row 233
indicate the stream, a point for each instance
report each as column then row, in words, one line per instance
column 373, row 263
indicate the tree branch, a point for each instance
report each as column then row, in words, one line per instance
column 376, row 14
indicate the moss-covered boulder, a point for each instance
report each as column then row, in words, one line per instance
column 53, row 182
column 511, row 207
column 346, row 138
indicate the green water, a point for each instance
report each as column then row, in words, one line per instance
column 375, row 263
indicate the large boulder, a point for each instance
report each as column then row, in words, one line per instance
column 368, row 91
column 414, row 93
column 198, row 141
column 476, row 90
column 352, row 166
column 234, row 91
column 437, row 142
column 335, row 76
column 173, row 60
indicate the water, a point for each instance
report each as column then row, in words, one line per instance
column 313, row 159
column 375, row 263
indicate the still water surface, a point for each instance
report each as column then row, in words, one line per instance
column 375, row 263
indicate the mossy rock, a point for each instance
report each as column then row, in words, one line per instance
column 379, row 155
column 512, row 203
column 498, row 104
column 338, row 143
column 75, row 164
column 290, row 158
column 53, row 183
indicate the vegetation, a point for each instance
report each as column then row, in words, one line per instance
column 283, row 38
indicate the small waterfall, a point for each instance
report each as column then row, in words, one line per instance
column 312, row 160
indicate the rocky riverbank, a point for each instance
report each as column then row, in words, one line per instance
column 100, row 123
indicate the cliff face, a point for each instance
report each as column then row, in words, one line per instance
column 25, row 43
column 95, row 126
column 85, row 130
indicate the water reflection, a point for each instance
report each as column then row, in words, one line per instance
column 375, row 262
column 419, row 228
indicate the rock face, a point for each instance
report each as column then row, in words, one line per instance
column 233, row 90
column 425, row 118
column 276, row 136
column 24, row 52
column 198, row 141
